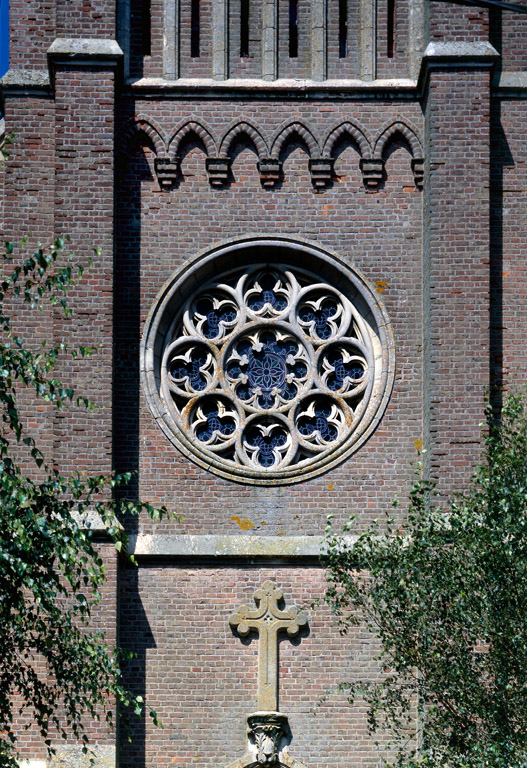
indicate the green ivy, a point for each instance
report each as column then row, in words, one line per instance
column 50, row 571
column 446, row 595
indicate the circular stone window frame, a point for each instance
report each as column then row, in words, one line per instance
column 196, row 273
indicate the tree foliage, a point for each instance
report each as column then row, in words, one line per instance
column 53, row 669
column 446, row 594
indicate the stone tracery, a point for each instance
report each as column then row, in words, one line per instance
column 267, row 369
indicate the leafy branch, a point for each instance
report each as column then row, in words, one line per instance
column 52, row 665
column 446, row 595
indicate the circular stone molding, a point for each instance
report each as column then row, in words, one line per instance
column 267, row 361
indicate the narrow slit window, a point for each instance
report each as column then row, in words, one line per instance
column 390, row 32
column 194, row 29
column 293, row 29
column 343, row 29
column 244, row 28
column 146, row 27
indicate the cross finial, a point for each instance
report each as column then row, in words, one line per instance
column 268, row 620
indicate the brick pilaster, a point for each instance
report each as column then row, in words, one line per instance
column 84, row 80
column 456, row 295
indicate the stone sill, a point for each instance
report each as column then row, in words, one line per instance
column 284, row 87
column 511, row 84
column 215, row 547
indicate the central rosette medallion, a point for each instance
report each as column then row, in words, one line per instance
column 267, row 368
column 266, row 371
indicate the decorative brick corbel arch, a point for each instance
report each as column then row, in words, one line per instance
column 201, row 132
column 370, row 172
column 195, row 128
column 220, row 168
column 247, row 129
column 155, row 136
column 402, row 129
column 294, row 128
column 321, row 168
column 137, row 126
column 356, row 134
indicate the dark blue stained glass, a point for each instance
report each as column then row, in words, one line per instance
column 288, row 391
column 209, row 408
column 320, row 317
column 244, row 391
column 351, row 369
column 308, row 425
column 192, row 370
column 244, row 348
column 215, row 423
column 204, row 305
column 211, row 326
column 267, row 295
column 282, row 348
column 266, row 444
column 267, row 282
column 266, row 400
column 299, row 370
column 286, row 348
column 234, row 369
column 267, row 369
column 268, row 339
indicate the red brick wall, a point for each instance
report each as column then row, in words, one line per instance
column 379, row 233
column 458, row 115
column 59, row 180
column 85, row 18
column 28, row 204
column 350, row 65
column 250, row 66
column 508, row 242
column 203, row 696
column 438, row 291
column 31, row 32
column 395, row 65
column 103, row 618
column 84, row 209
column 196, row 66
column 457, row 23
column 509, row 35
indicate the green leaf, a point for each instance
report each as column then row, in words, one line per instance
column 51, row 573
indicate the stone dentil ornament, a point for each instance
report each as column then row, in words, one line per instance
column 271, row 371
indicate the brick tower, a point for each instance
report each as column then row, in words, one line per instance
column 311, row 215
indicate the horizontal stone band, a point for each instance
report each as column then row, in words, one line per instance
column 228, row 546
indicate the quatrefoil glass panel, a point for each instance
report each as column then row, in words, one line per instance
column 268, row 361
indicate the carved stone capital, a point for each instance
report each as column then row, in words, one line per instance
column 270, row 171
column 321, row 169
column 418, row 169
column 268, row 734
column 167, row 171
column 219, row 169
column 372, row 171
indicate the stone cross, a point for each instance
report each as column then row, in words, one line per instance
column 268, row 620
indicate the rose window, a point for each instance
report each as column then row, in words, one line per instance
column 270, row 371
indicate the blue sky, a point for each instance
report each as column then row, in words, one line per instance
column 4, row 36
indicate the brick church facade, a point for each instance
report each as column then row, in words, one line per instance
column 312, row 221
